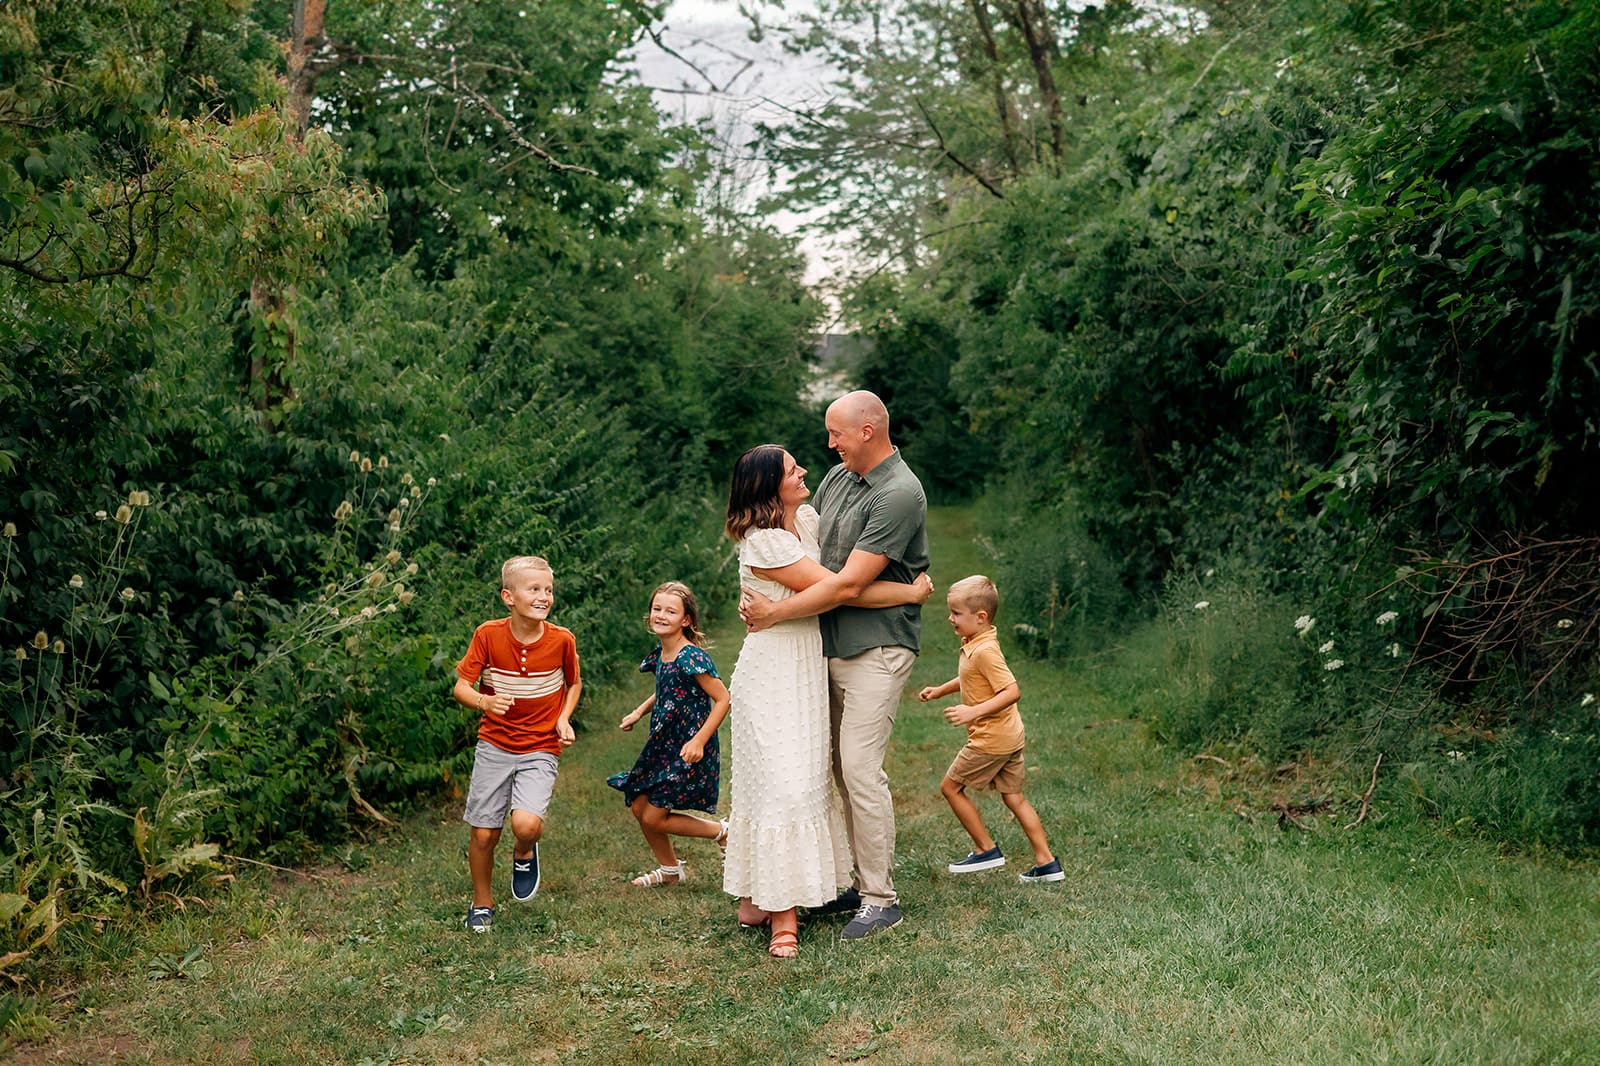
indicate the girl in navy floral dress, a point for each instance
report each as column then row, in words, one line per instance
column 680, row 766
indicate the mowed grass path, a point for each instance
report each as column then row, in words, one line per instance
column 1185, row 932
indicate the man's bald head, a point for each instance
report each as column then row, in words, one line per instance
column 861, row 408
column 858, row 429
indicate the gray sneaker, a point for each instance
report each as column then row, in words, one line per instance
column 871, row 919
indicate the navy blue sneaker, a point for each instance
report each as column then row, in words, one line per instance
column 1050, row 871
column 525, row 876
column 871, row 920
column 479, row 919
column 979, row 860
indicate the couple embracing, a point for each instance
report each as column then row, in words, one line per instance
column 832, row 597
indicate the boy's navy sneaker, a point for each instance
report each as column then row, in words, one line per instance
column 525, row 876
column 479, row 919
column 979, row 860
column 869, row 920
column 845, row 902
column 1050, row 871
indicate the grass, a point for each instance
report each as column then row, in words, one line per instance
column 1192, row 928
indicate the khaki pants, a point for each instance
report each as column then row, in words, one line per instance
column 863, row 693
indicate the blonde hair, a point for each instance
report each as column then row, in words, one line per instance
column 691, row 610
column 523, row 562
column 976, row 592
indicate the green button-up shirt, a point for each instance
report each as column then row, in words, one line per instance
column 885, row 513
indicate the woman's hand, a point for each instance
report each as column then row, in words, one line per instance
column 628, row 720
column 755, row 609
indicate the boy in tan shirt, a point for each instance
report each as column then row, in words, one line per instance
column 992, row 756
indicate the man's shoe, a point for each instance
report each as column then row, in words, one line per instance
column 979, row 860
column 845, row 902
column 1050, row 871
column 479, row 919
column 871, row 919
column 525, row 876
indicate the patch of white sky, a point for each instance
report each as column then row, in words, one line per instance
column 705, row 66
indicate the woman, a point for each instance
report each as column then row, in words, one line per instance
column 786, row 840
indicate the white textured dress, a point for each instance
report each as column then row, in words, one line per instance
column 786, row 839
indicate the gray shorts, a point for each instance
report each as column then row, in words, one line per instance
column 504, row 781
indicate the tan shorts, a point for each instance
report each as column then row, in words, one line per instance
column 980, row 769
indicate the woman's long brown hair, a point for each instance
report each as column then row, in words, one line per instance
column 753, row 501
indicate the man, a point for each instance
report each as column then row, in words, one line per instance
column 874, row 527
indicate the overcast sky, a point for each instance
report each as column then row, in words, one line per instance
column 725, row 76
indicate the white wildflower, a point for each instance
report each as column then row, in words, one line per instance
column 432, row 481
column 1386, row 617
column 101, row 515
column 1565, row 623
column 1202, row 605
column 1333, row 664
column 1304, row 623
column 355, row 457
column 1394, row 650
column 1588, row 698
column 1456, row 756
column 127, row 595
column 75, row 581
column 1326, row 648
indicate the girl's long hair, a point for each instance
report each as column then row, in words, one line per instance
column 691, row 610
column 753, row 501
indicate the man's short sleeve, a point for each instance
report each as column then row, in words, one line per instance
column 894, row 519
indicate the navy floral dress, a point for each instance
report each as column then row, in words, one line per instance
column 681, row 709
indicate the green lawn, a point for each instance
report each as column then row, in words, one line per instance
column 1191, row 929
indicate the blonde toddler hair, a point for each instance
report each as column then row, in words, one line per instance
column 976, row 592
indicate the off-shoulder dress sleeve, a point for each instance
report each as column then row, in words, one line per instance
column 770, row 549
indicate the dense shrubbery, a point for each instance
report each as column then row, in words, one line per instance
column 1302, row 298
column 276, row 403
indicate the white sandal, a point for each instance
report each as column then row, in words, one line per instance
column 659, row 876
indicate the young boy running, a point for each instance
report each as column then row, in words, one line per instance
column 521, row 675
column 992, row 756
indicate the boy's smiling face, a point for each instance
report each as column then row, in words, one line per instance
column 530, row 595
column 965, row 620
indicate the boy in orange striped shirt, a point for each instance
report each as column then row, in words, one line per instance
column 521, row 675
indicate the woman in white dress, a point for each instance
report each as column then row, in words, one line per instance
column 786, row 840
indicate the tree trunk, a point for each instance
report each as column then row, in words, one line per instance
column 1002, row 105
column 273, row 339
column 1033, row 20
column 304, row 39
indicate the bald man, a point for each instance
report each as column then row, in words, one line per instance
column 874, row 527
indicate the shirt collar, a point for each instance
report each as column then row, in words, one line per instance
column 890, row 461
column 986, row 635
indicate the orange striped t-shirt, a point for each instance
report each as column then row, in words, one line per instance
column 537, row 675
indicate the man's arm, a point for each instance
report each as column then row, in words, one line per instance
column 860, row 570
